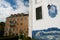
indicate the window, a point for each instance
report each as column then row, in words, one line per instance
column 12, row 23
column 6, row 34
column 17, row 23
column 21, row 24
column 38, row 13
column 11, row 29
column 6, row 29
column 21, row 19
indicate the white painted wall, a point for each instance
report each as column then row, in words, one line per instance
column 46, row 21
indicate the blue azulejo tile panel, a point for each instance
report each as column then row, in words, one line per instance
column 49, row 34
column 52, row 10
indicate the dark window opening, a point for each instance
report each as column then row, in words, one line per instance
column 12, row 23
column 17, row 34
column 38, row 13
column 21, row 23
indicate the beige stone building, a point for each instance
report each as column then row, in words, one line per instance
column 16, row 24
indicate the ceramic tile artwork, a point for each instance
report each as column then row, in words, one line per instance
column 47, row 27
column 48, row 34
column 52, row 10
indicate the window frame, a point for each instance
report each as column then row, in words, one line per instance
column 39, row 13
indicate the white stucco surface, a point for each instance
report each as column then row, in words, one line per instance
column 46, row 21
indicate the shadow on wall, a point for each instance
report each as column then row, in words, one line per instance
column 48, row 34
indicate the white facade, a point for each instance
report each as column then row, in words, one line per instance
column 46, row 21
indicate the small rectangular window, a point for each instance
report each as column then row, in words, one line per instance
column 21, row 19
column 38, row 13
column 21, row 24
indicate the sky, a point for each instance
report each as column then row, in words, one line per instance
column 8, row 7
